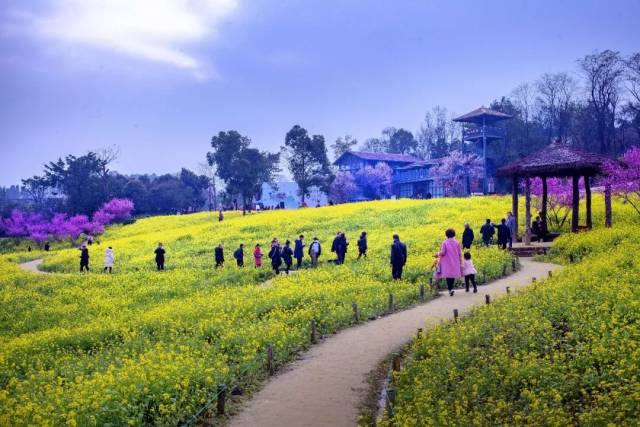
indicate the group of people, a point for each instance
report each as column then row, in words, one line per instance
column 506, row 231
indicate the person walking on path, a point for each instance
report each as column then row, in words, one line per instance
column 467, row 236
column 160, row 256
column 469, row 272
column 487, row 232
column 84, row 258
column 398, row 257
column 298, row 251
column 450, row 259
column 219, row 255
column 315, row 250
column 257, row 255
column 513, row 228
column 276, row 256
column 503, row 234
column 287, row 256
column 239, row 255
column 220, row 215
column 109, row 259
column 362, row 245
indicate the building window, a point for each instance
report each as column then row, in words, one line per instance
column 406, row 190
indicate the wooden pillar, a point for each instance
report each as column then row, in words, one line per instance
column 514, row 203
column 527, row 211
column 575, row 203
column 607, row 206
column 543, row 212
column 587, row 192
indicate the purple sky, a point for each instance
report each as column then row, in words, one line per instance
column 158, row 77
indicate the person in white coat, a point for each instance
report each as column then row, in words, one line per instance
column 109, row 259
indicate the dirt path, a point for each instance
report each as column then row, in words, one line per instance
column 32, row 266
column 326, row 386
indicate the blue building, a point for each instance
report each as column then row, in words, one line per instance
column 411, row 178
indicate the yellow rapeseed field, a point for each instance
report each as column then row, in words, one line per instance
column 142, row 347
column 565, row 351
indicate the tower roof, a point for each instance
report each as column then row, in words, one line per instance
column 483, row 113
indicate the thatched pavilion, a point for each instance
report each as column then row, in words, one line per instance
column 562, row 161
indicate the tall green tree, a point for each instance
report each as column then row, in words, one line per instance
column 80, row 179
column 242, row 169
column 308, row 161
column 342, row 145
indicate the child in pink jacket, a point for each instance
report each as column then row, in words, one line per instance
column 469, row 272
column 257, row 255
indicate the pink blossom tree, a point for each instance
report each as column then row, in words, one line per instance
column 624, row 177
column 456, row 168
column 375, row 182
column 343, row 188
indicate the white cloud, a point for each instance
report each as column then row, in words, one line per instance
column 154, row 30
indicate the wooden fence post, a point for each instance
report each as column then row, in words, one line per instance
column 513, row 264
column 508, row 289
column 419, row 334
column 270, row 366
column 395, row 362
column 222, row 397
column 455, row 315
column 390, row 302
column 550, row 273
column 533, row 280
column 356, row 315
column 314, row 338
column 487, row 299
column 504, row 269
column 421, row 292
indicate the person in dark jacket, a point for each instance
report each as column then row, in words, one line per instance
column 341, row 248
column 276, row 256
column 315, row 250
column 47, row 246
column 160, row 257
column 362, row 245
column 467, row 236
column 219, row 255
column 504, row 235
column 287, row 256
column 334, row 246
column 398, row 257
column 239, row 255
column 84, row 258
column 298, row 251
column 487, row 232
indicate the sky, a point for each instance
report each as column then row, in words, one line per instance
column 158, row 78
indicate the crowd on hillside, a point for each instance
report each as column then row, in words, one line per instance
column 452, row 262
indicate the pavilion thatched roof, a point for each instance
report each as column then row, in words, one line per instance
column 483, row 113
column 557, row 159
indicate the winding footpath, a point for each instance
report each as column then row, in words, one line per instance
column 32, row 266
column 327, row 385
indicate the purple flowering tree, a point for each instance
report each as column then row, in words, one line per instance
column 343, row 188
column 456, row 169
column 375, row 182
column 624, row 178
column 559, row 199
column 34, row 226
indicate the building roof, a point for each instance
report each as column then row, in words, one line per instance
column 380, row 157
column 477, row 115
column 557, row 159
column 421, row 163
